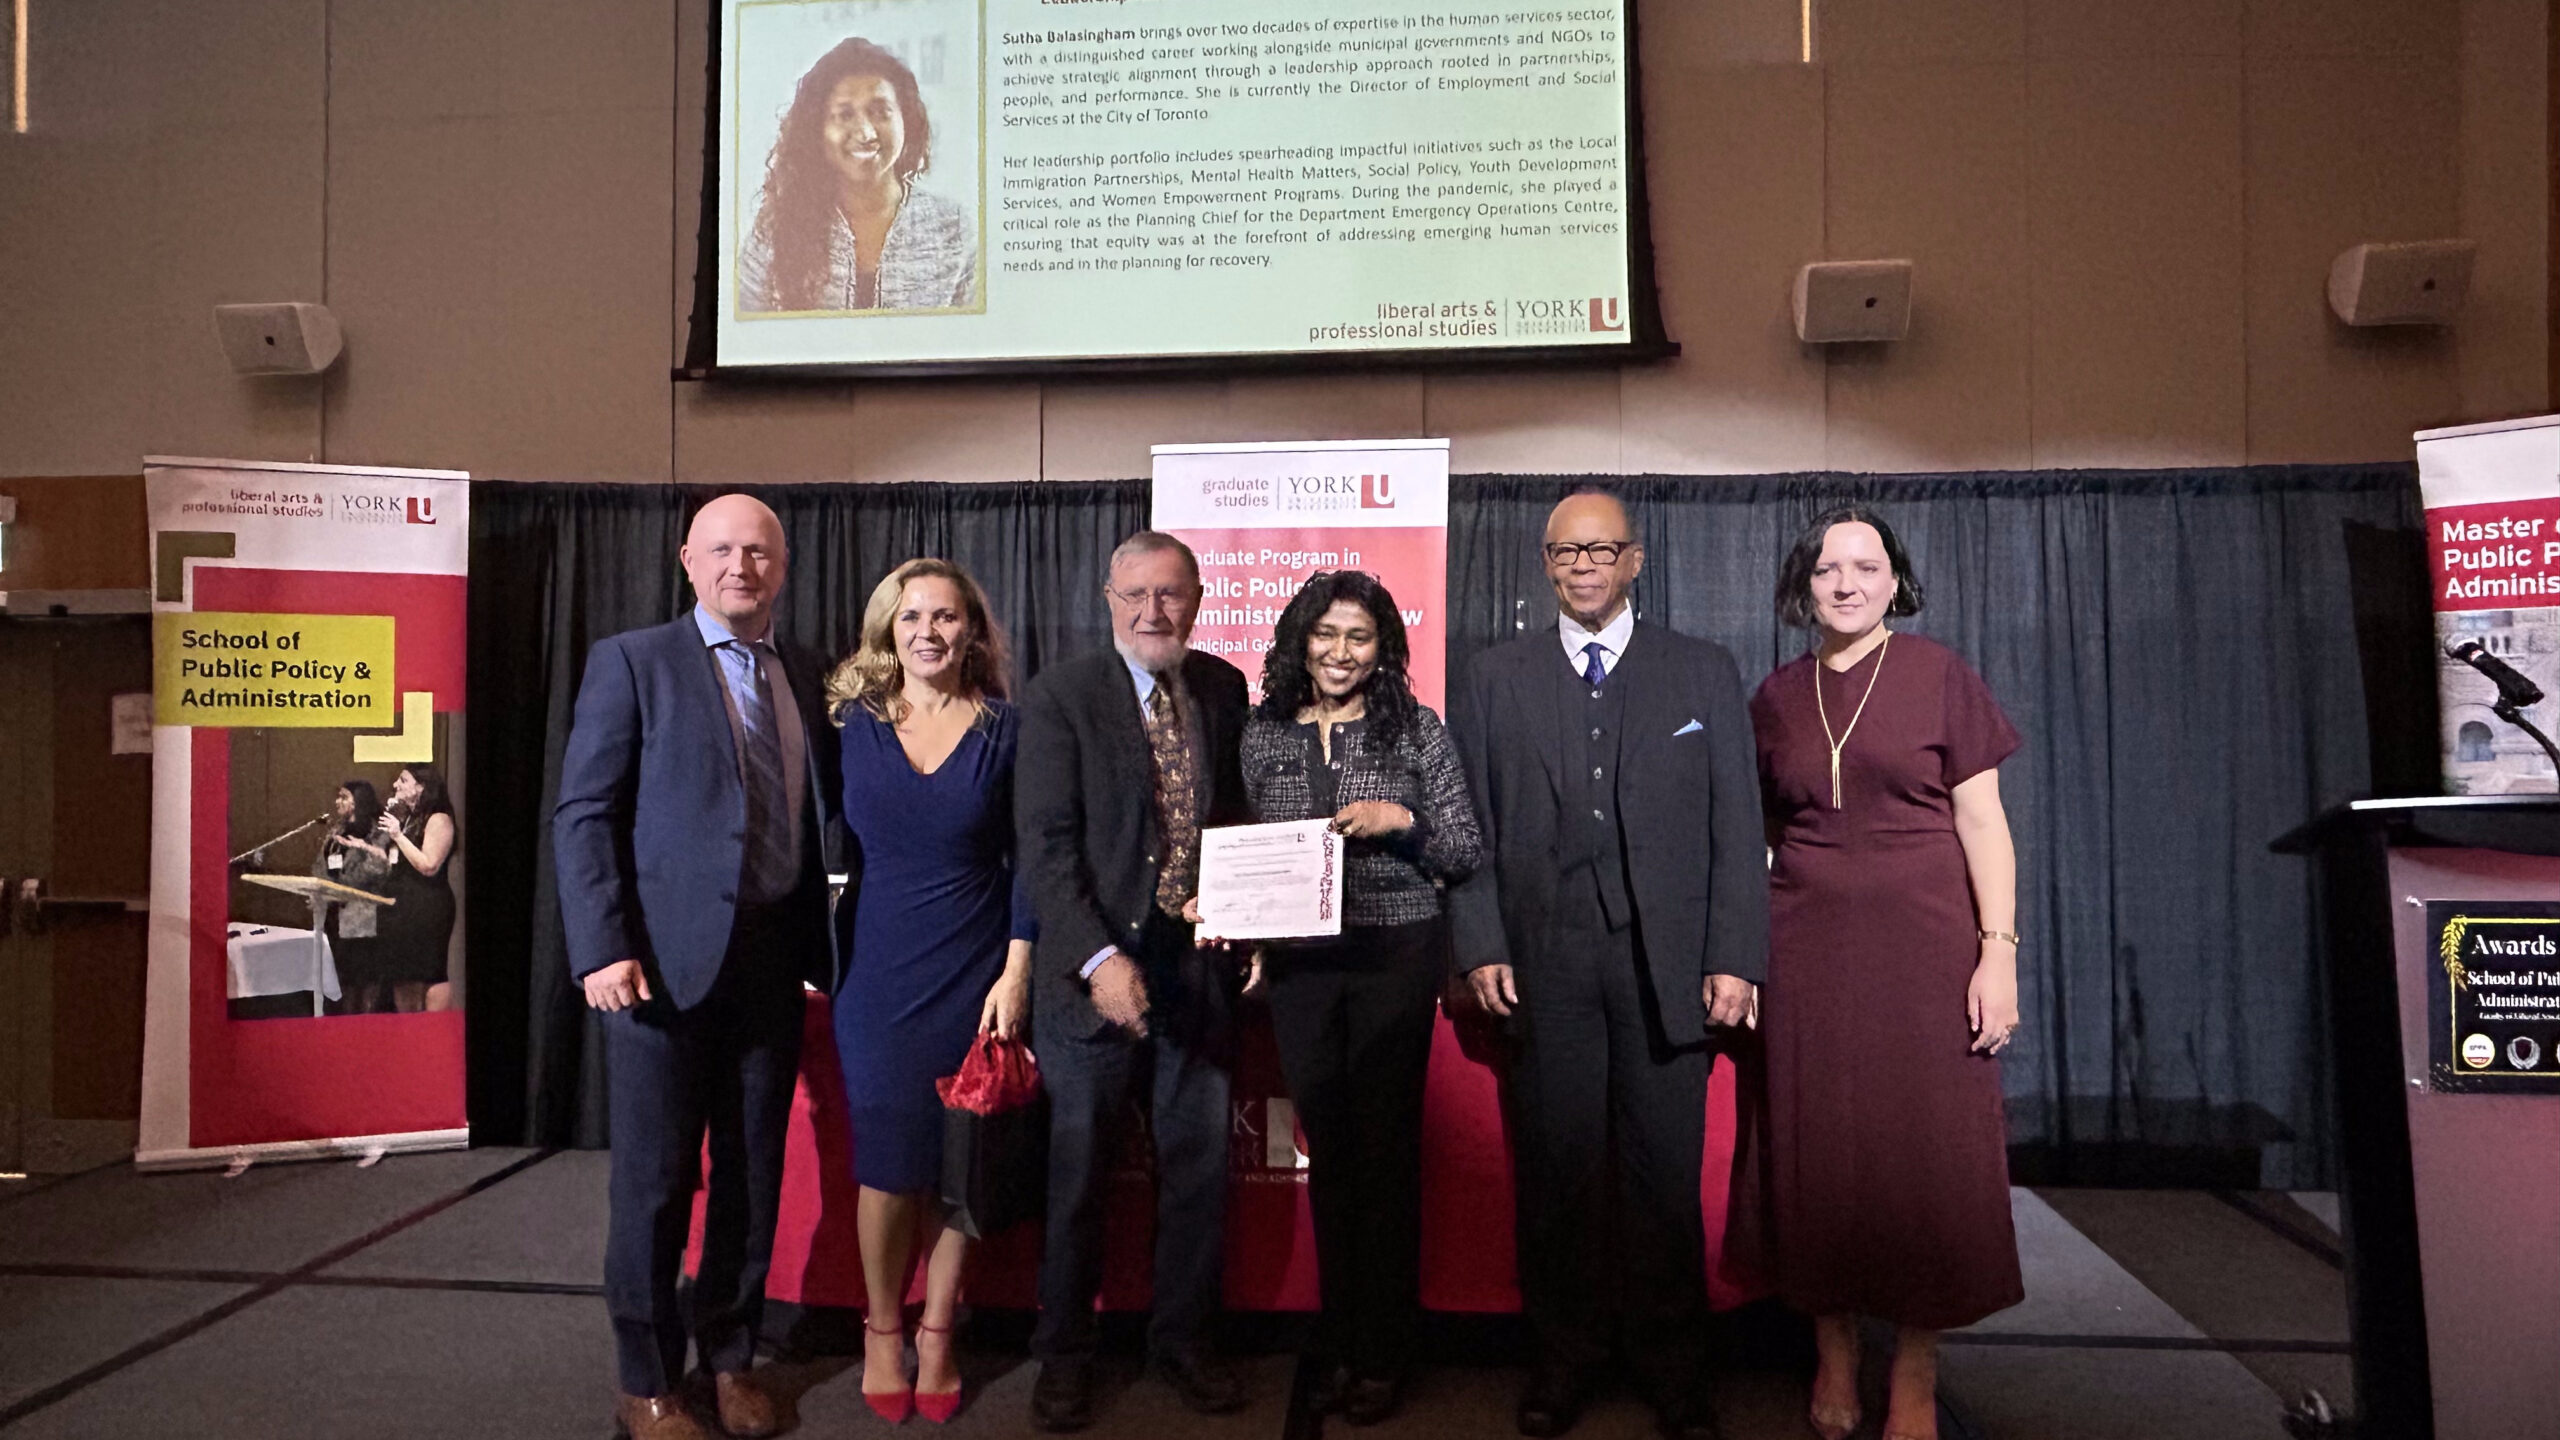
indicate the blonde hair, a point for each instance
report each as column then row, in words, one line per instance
column 871, row 676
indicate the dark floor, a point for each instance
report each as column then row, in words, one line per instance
column 455, row 1294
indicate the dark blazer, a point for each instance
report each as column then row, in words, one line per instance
column 1085, row 815
column 1688, row 805
column 649, row 831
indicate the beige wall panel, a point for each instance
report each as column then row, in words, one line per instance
column 255, row 63
column 944, row 430
column 2065, row 29
column 2375, row 29
column 417, row 242
column 1928, row 163
column 1102, row 430
column 76, row 289
column 91, row 69
column 2503, row 342
column 1550, row 423
column 1736, row 160
column 1905, row 32
column 579, row 357
column 1682, row 33
column 579, row 56
column 2136, row 258
column 766, row 434
column 405, row 62
column 235, row 217
column 2342, row 151
column 1384, row 406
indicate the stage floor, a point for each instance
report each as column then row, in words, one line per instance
column 450, row 1294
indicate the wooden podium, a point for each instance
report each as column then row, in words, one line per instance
column 2452, row 1158
column 321, row 894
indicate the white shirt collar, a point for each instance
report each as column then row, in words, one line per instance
column 1613, row 637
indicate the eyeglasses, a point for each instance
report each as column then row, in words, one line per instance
column 1166, row 600
column 1601, row 552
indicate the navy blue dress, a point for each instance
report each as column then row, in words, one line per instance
column 935, row 906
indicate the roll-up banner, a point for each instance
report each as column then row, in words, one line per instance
column 2492, row 495
column 307, row 844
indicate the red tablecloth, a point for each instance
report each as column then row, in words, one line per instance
column 1271, row 1260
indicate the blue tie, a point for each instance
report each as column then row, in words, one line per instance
column 1593, row 670
column 766, row 873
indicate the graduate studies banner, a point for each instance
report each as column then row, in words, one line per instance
column 2492, row 496
column 307, row 648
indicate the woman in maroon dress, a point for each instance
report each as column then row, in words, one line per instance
column 1893, row 979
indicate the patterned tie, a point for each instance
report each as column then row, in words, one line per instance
column 766, row 873
column 1175, row 817
column 1593, row 670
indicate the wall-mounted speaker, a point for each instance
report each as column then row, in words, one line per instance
column 1843, row 300
column 2415, row 282
column 280, row 339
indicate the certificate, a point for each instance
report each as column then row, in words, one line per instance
column 1271, row 882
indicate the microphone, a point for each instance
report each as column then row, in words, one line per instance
column 2514, row 689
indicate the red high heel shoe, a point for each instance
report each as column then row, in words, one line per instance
column 936, row 1406
column 896, row 1405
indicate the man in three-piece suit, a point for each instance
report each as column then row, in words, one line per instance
column 693, row 886
column 1126, row 755
column 1621, row 919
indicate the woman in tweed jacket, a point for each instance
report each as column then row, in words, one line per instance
column 1338, row 734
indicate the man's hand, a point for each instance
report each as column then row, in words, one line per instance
column 617, row 986
column 1732, row 1001
column 1120, row 993
column 1495, row 988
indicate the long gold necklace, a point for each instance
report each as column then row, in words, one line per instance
column 1841, row 743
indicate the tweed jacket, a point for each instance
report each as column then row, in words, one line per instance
column 1392, row 879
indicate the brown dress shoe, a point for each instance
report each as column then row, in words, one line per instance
column 657, row 1417
column 746, row 1407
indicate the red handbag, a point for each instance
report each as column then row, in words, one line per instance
column 997, row 1076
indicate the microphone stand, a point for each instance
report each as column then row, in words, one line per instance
column 2513, row 714
column 251, row 855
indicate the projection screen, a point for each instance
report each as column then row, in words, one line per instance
column 1014, row 183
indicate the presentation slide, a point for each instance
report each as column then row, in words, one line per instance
column 907, row 182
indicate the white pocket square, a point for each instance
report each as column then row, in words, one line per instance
column 1686, row 729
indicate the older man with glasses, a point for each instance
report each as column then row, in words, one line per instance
column 1126, row 755
column 1620, row 925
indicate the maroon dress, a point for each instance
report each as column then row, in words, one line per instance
column 1884, row 1174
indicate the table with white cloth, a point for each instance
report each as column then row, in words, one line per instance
column 276, row 960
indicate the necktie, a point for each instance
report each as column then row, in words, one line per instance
column 1176, row 818
column 768, row 848
column 1592, row 669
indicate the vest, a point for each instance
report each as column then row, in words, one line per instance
column 1588, row 836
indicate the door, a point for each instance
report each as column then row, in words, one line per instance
column 75, row 850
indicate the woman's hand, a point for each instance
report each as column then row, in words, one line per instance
column 1008, row 1005
column 1253, row 974
column 1991, row 1001
column 1191, row 909
column 1362, row 819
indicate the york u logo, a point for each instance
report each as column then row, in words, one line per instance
column 1604, row 314
column 1377, row 492
column 420, row 510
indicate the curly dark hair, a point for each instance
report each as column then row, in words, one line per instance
column 433, row 798
column 799, row 183
column 1287, row 685
column 1795, row 575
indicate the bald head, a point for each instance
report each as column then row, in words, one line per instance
column 1589, row 588
column 735, row 557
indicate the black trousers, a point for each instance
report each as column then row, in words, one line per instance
column 1609, row 1123
column 1354, row 1020
column 1184, row 1067
column 727, row 1066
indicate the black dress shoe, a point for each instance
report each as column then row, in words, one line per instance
column 1062, row 1397
column 1333, row 1382
column 1551, row 1401
column 1207, row 1384
column 1370, row 1399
